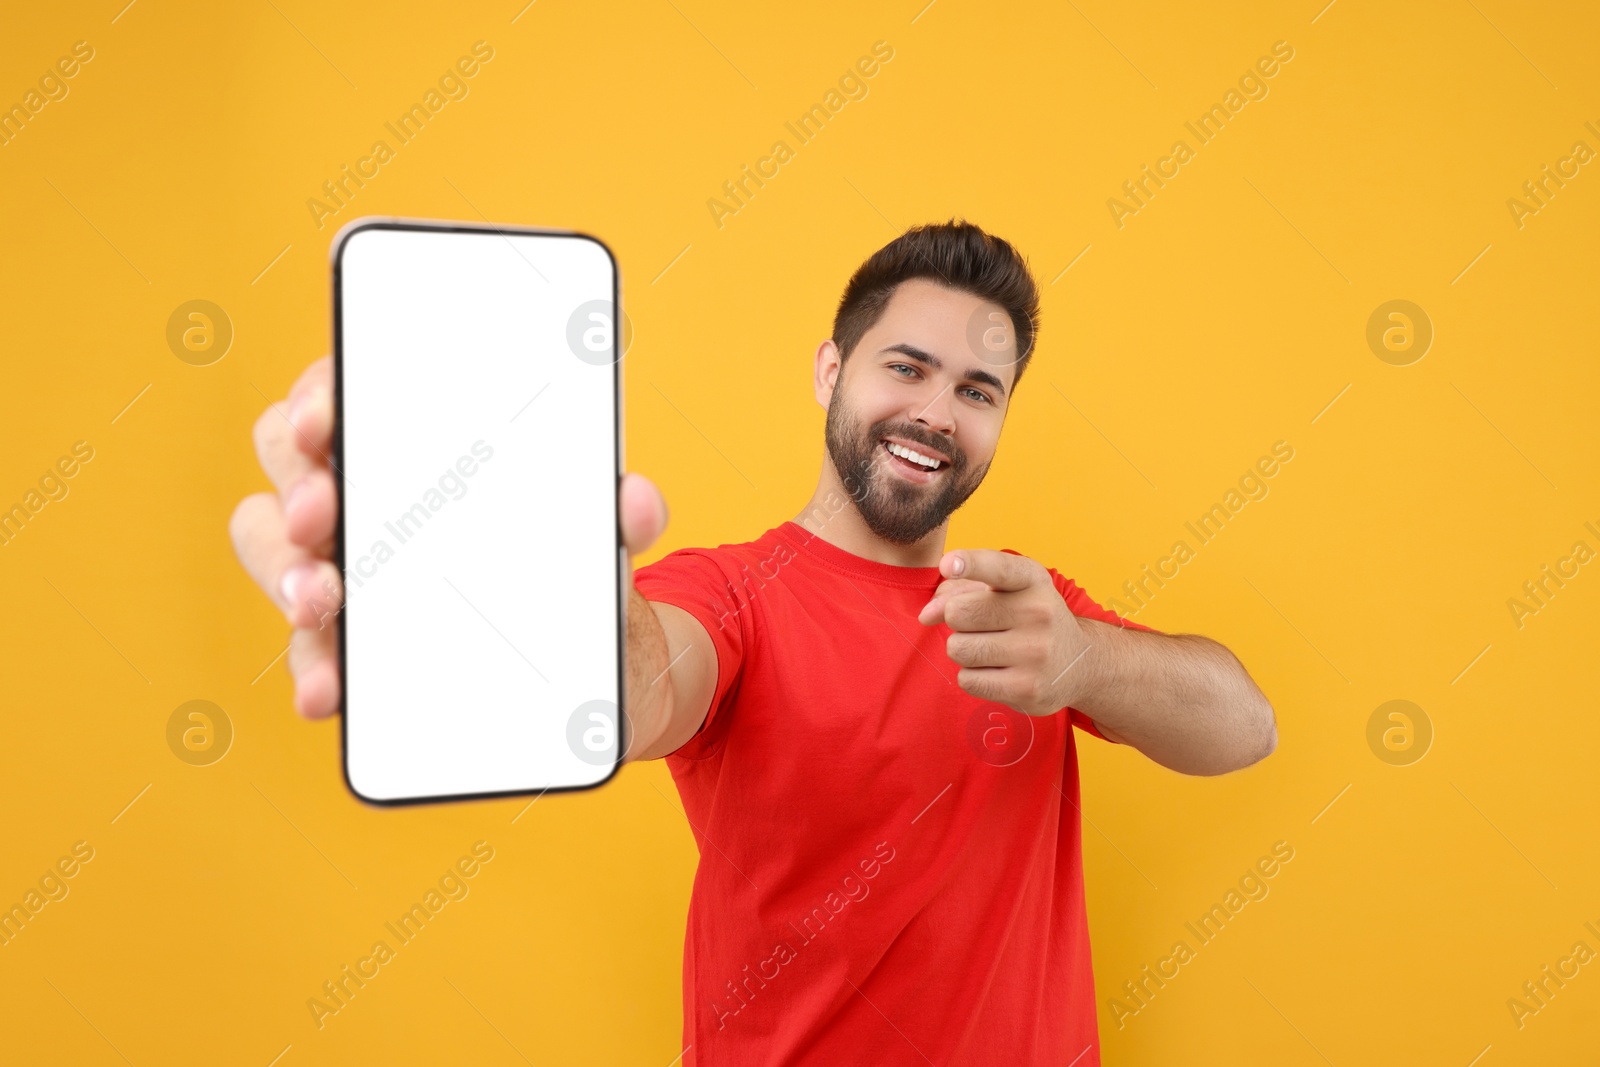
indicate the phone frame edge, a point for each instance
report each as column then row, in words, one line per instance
column 336, row 261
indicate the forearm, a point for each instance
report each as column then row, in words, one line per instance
column 648, row 679
column 1183, row 700
column 672, row 675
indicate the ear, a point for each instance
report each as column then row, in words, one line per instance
column 827, row 372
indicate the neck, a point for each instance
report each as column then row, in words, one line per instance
column 831, row 515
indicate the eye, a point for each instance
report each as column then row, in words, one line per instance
column 977, row 394
column 899, row 366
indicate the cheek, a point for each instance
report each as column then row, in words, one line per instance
column 877, row 401
column 980, row 447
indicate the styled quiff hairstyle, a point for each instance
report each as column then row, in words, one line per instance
column 956, row 254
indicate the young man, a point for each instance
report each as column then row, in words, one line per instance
column 872, row 736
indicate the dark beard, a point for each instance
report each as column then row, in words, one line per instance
column 895, row 510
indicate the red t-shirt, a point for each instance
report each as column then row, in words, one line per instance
column 889, row 868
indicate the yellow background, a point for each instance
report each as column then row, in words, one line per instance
column 1224, row 316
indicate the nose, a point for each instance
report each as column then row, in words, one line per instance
column 936, row 411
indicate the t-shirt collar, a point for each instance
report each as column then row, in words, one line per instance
column 870, row 570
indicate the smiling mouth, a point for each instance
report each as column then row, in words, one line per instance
column 911, row 459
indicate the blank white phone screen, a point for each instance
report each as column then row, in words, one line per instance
column 478, row 445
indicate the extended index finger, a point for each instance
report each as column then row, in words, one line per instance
column 998, row 570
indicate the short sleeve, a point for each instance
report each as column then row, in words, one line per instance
column 1084, row 607
column 698, row 581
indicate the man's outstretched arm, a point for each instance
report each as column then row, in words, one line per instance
column 1181, row 699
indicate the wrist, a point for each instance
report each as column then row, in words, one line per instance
column 1091, row 671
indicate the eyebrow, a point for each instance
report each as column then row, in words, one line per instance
column 913, row 352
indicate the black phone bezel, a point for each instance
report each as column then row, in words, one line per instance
column 336, row 253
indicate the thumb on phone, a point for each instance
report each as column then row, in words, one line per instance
column 644, row 513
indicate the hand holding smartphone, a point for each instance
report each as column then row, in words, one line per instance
column 479, row 643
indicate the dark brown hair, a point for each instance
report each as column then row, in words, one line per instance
column 956, row 254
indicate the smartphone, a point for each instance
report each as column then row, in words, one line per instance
column 477, row 450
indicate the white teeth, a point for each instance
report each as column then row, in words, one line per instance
column 915, row 457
